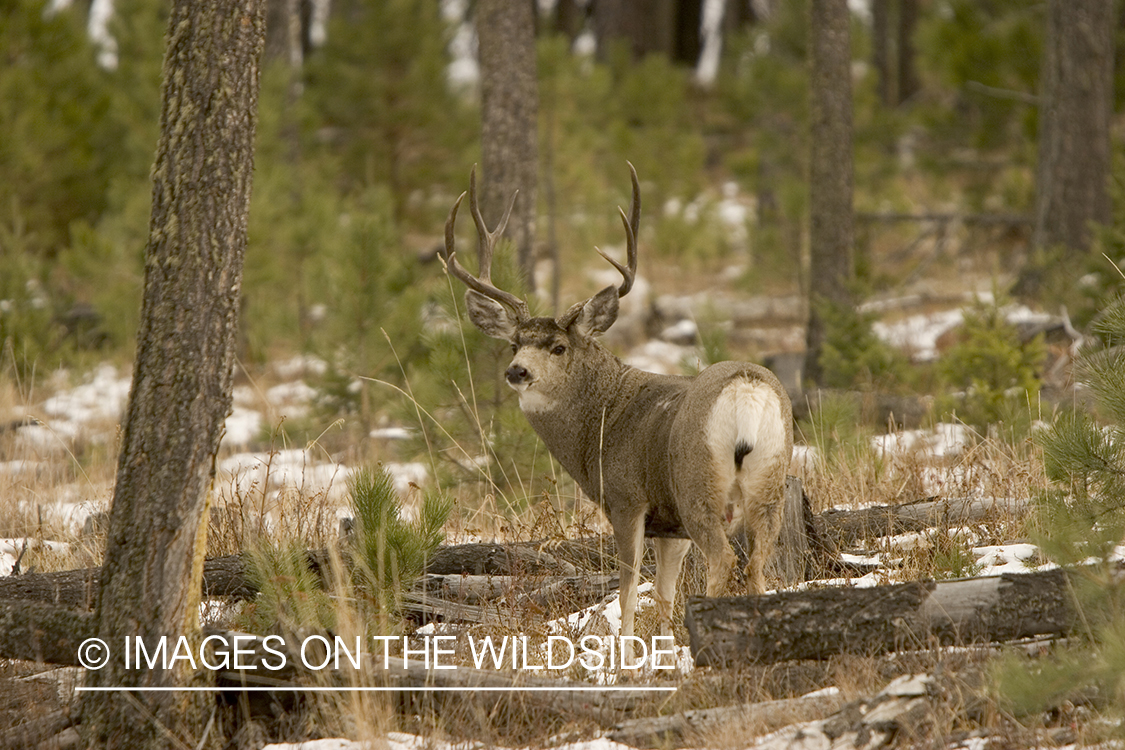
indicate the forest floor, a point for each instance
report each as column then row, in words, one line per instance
column 56, row 476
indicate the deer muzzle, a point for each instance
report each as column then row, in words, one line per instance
column 517, row 375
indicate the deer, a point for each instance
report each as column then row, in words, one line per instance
column 679, row 459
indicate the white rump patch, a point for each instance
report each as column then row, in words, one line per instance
column 747, row 411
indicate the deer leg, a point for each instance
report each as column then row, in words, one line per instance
column 670, row 554
column 763, row 524
column 629, row 534
column 706, row 529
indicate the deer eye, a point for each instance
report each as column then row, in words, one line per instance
column 515, row 348
column 558, row 349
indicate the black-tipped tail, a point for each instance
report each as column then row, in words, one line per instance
column 741, row 450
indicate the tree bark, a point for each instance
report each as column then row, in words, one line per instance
column 831, row 264
column 181, row 390
column 1076, row 101
column 509, row 121
column 819, row 623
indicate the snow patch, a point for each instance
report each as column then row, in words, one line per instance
column 944, row 440
column 660, row 357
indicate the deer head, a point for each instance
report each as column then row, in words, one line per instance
column 544, row 349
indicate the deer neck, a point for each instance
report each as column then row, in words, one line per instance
column 576, row 429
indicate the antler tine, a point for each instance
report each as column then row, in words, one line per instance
column 483, row 283
column 486, row 242
column 634, row 217
column 629, row 270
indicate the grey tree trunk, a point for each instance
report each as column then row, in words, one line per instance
column 831, row 261
column 509, row 120
column 1076, row 83
column 181, row 391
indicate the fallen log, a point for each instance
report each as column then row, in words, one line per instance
column 32, row 732
column 490, row 558
column 691, row 728
column 484, row 688
column 818, row 623
column 877, row 409
column 35, row 631
column 502, row 599
column 77, row 589
column 902, row 715
column 225, row 577
column 846, row 527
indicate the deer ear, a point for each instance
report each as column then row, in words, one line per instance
column 492, row 318
column 597, row 313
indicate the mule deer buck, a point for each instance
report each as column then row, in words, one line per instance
column 679, row 459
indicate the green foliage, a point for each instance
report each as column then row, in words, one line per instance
column 393, row 550
column 852, row 355
column 1101, row 273
column 26, row 326
column 597, row 116
column 690, row 236
column 759, row 118
column 379, row 91
column 998, row 374
column 58, row 136
column 1080, row 523
column 952, row 556
column 291, row 597
column 997, row 44
column 57, row 132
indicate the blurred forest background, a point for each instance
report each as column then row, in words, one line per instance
column 371, row 115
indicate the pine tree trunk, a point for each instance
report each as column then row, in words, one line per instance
column 830, row 171
column 907, row 72
column 644, row 26
column 181, row 391
column 881, row 49
column 1074, row 152
column 509, row 120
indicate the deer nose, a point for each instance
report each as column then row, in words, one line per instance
column 517, row 374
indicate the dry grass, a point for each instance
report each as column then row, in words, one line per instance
column 80, row 469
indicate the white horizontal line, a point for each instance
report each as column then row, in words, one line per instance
column 389, row 689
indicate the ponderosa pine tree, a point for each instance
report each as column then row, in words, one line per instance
column 1081, row 519
column 831, row 221
column 182, row 377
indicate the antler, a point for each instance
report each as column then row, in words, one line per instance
column 628, row 271
column 486, row 244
